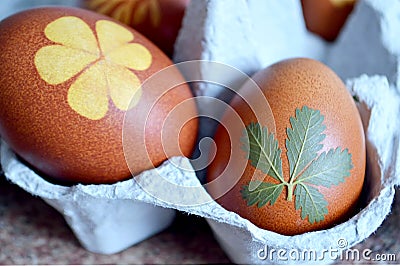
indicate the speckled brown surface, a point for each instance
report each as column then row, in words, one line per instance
column 31, row 232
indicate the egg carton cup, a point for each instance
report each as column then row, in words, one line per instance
column 250, row 35
column 244, row 243
column 105, row 218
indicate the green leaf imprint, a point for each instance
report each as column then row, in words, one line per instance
column 311, row 202
column 304, row 139
column 328, row 169
column 307, row 169
column 264, row 193
column 263, row 151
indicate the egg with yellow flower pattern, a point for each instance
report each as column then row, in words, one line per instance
column 68, row 78
column 158, row 20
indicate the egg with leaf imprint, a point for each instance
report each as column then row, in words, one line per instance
column 68, row 78
column 304, row 163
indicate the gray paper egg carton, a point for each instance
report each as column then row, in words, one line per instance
column 249, row 35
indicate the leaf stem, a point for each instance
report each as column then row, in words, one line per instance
column 290, row 191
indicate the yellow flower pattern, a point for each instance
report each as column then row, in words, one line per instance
column 102, row 66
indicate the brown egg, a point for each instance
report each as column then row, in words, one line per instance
column 68, row 78
column 326, row 17
column 311, row 93
column 158, row 20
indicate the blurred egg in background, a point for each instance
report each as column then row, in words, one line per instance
column 158, row 20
